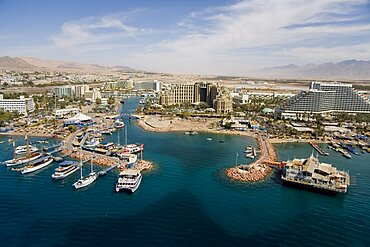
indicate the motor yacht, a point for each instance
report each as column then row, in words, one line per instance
column 65, row 169
column 129, row 180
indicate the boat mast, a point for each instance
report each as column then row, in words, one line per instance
column 118, row 137
column 125, row 135
column 14, row 155
column 28, row 148
column 81, row 162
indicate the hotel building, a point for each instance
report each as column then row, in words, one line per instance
column 22, row 105
column 214, row 95
column 322, row 98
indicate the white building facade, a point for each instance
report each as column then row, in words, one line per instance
column 22, row 105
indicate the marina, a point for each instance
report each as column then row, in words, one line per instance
column 181, row 171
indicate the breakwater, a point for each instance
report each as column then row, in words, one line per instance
column 258, row 170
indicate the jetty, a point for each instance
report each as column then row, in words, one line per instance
column 258, row 170
column 104, row 172
column 318, row 149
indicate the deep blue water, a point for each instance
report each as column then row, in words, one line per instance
column 185, row 201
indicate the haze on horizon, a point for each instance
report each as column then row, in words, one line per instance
column 199, row 37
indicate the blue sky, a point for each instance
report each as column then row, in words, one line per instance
column 199, row 37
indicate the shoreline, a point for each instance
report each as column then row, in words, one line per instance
column 30, row 135
column 254, row 172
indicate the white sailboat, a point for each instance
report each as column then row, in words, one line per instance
column 30, row 156
column 85, row 181
column 44, row 162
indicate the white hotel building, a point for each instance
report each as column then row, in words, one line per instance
column 22, row 105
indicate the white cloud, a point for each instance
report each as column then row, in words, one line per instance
column 231, row 39
column 228, row 33
column 94, row 30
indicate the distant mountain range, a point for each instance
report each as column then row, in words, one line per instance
column 350, row 69
column 32, row 64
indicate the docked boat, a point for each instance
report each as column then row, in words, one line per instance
column 122, row 101
column 43, row 162
column 133, row 148
column 22, row 150
column 118, row 124
column 129, row 158
column 23, row 160
column 43, row 142
column 58, row 159
column 79, row 135
column 312, row 175
column 129, row 180
column 107, row 132
column 65, row 169
column 87, row 180
column 92, row 143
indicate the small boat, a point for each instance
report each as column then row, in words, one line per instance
column 42, row 142
column 47, row 160
column 209, row 139
column 129, row 158
column 85, row 181
column 222, row 141
column 92, row 143
column 106, row 132
column 347, row 155
column 23, row 160
column 58, row 159
column 122, row 101
column 251, row 155
column 65, row 169
column 187, row 133
column 118, row 124
column 133, row 148
column 193, row 133
column 1, row 142
column 21, row 150
column 129, row 180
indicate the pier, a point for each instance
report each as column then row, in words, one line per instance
column 258, row 170
column 104, row 172
column 318, row 149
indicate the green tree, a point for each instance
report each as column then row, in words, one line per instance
column 98, row 101
column 111, row 101
column 72, row 128
column 185, row 114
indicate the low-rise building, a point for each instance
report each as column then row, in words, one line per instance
column 63, row 112
column 22, row 105
column 246, row 97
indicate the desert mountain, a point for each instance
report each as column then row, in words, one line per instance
column 350, row 69
column 31, row 64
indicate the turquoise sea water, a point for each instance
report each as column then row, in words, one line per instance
column 185, row 201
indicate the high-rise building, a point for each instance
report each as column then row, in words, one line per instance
column 213, row 94
column 324, row 98
column 22, row 105
column 77, row 91
column 61, row 91
column 80, row 90
column 148, row 85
